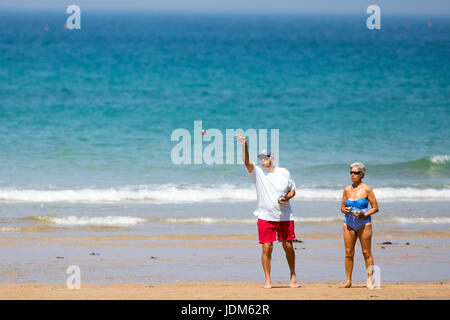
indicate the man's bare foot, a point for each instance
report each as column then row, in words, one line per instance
column 294, row 283
column 348, row 284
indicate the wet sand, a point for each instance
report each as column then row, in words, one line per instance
column 380, row 235
column 31, row 262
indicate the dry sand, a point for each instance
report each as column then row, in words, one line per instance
column 226, row 290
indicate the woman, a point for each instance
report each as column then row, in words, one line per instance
column 357, row 223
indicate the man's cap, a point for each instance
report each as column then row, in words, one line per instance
column 265, row 152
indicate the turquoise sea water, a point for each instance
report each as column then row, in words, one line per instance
column 97, row 106
column 87, row 115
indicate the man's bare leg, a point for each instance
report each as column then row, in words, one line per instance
column 290, row 257
column 266, row 259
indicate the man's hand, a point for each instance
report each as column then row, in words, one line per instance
column 282, row 199
column 241, row 139
column 288, row 196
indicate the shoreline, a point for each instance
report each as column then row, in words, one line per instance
column 22, row 236
column 221, row 290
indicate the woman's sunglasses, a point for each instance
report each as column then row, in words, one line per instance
column 263, row 158
column 355, row 172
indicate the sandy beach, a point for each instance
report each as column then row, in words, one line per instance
column 211, row 259
column 120, row 155
column 219, row 290
column 217, row 266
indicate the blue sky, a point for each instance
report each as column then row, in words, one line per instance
column 292, row 6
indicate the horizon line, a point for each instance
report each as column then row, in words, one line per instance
column 216, row 11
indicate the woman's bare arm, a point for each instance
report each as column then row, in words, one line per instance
column 373, row 202
column 344, row 209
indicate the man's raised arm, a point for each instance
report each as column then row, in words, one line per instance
column 245, row 157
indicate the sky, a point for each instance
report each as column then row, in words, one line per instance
column 289, row 6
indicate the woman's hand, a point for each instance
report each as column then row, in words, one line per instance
column 346, row 210
column 359, row 214
column 356, row 214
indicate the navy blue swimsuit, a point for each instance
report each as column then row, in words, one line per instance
column 354, row 222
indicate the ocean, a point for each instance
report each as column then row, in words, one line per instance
column 87, row 116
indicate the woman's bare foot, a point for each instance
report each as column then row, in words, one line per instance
column 369, row 284
column 268, row 286
column 347, row 284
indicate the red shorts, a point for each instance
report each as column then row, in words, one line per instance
column 269, row 230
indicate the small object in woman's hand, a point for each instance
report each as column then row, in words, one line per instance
column 282, row 199
column 356, row 212
column 203, row 132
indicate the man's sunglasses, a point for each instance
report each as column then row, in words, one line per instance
column 355, row 172
column 262, row 158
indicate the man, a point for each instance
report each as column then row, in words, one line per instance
column 274, row 188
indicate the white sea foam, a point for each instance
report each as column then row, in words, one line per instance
column 421, row 220
column 158, row 194
column 95, row 221
column 130, row 221
column 201, row 193
column 208, row 220
column 440, row 159
column 388, row 193
column 306, row 220
column 383, row 193
column 224, row 220
column 9, row 229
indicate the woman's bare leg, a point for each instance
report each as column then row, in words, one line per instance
column 350, row 237
column 365, row 238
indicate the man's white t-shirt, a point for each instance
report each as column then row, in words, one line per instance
column 269, row 187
